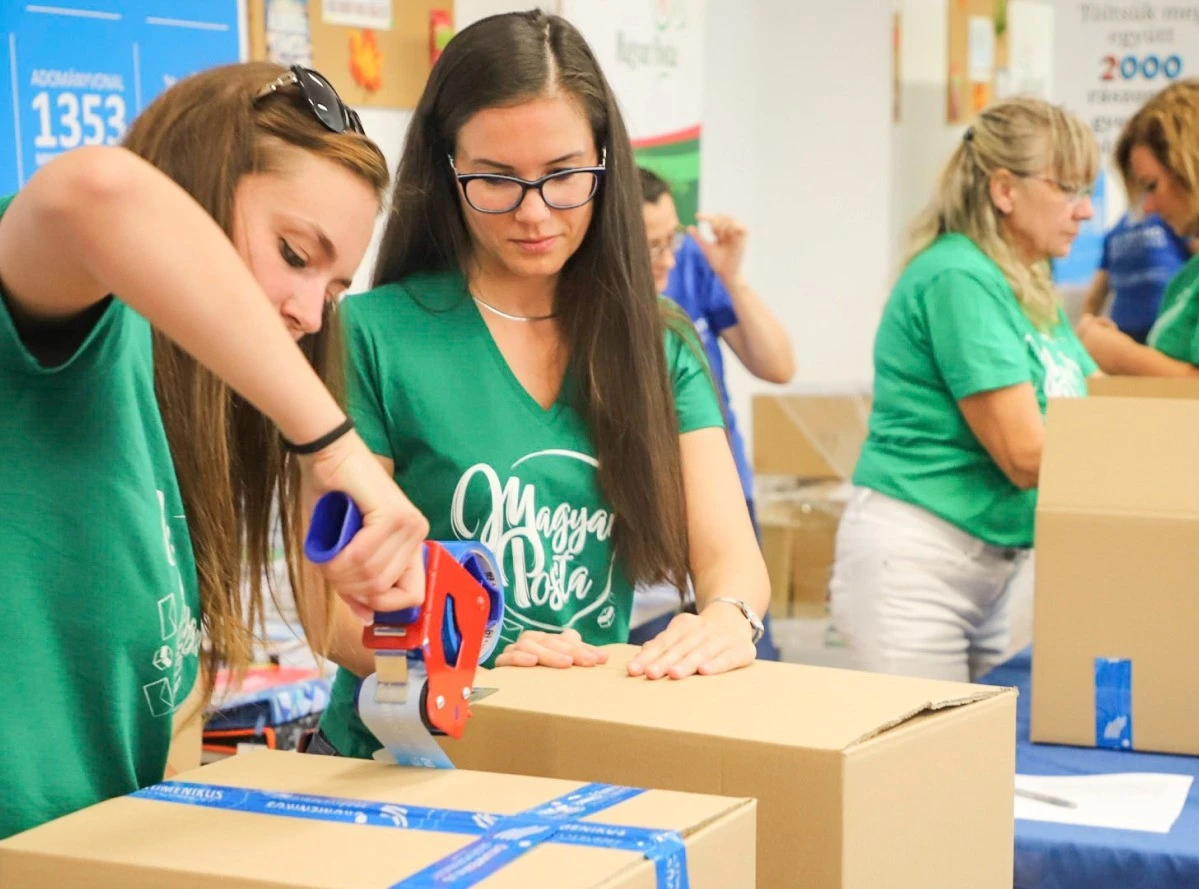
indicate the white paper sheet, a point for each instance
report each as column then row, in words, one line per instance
column 1146, row 801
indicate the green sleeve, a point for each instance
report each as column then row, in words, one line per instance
column 696, row 404
column 1176, row 331
column 973, row 331
column 1178, row 286
column 364, row 394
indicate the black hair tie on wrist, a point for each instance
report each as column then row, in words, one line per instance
column 323, row 442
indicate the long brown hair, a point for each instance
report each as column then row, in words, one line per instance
column 206, row 132
column 606, row 302
column 1168, row 125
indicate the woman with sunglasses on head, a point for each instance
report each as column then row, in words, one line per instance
column 516, row 372
column 935, row 543
column 1159, row 159
column 142, row 287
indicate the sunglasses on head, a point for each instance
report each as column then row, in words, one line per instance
column 322, row 99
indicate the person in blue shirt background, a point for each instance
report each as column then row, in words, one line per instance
column 1140, row 256
column 704, row 277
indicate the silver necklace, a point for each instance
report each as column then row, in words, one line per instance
column 489, row 307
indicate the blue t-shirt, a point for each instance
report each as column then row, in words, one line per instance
column 1140, row 257
column 698, row 290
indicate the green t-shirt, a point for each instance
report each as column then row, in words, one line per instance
column 952, row 328
column 1176, row 331
column 484, row 461
column 98, row 621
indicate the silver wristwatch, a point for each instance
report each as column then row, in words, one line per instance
column 754, row 621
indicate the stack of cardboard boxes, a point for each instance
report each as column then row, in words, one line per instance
column 776, row 776
column 804, row 451
column 861, row 781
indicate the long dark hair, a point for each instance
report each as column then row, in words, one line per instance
column 206, row 133
column 606, row 302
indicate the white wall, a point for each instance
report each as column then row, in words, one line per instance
column 923, row 139
column 387, row 127
column 798, row 142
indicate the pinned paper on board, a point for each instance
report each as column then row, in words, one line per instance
column 980, row 49
column 375, row 14
column 288, row 37
column 977, row 55
column 366, row 61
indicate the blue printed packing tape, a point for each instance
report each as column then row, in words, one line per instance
column 501, row 838
column 1113, row 703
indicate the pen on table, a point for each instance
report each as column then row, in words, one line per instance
column 1046, row 798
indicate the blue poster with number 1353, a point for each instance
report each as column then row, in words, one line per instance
column 78, row 71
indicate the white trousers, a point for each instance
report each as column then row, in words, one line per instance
column 915, row 595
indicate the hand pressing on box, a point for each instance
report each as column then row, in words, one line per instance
column 565, row 649
column 716, row 641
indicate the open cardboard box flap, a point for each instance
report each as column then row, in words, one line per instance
column 787, row 704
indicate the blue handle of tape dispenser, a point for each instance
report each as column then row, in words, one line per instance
column 335, row 520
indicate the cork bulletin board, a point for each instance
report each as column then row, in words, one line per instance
column 977, row 52
column 384, row 66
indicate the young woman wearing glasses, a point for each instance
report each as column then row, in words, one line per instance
column 972, row 343
column 516, row 372
column 143, row 287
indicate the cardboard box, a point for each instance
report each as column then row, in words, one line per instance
column 1145, row 387
column 1116, row 572
column 136, row 843
column 863, row 781
column 809, row 436
column 778, row 554
column 799, row 535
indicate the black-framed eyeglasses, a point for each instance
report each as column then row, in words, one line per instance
column 673, row 246
column 560, row 190
column 328, row 107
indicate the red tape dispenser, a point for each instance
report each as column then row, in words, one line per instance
column 439, row 643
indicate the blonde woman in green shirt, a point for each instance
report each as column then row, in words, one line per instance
column 971, row 345
column 1158, row 156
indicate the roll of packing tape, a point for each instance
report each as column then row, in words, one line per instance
column 401, row 728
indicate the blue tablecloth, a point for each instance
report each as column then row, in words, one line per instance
column 1061, row 856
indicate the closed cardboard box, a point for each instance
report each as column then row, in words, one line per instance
column 863, row 781
column 1117, row 574
column 275, row 819
column 1145, row 387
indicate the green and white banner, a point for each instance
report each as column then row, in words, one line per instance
column 652, row 52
